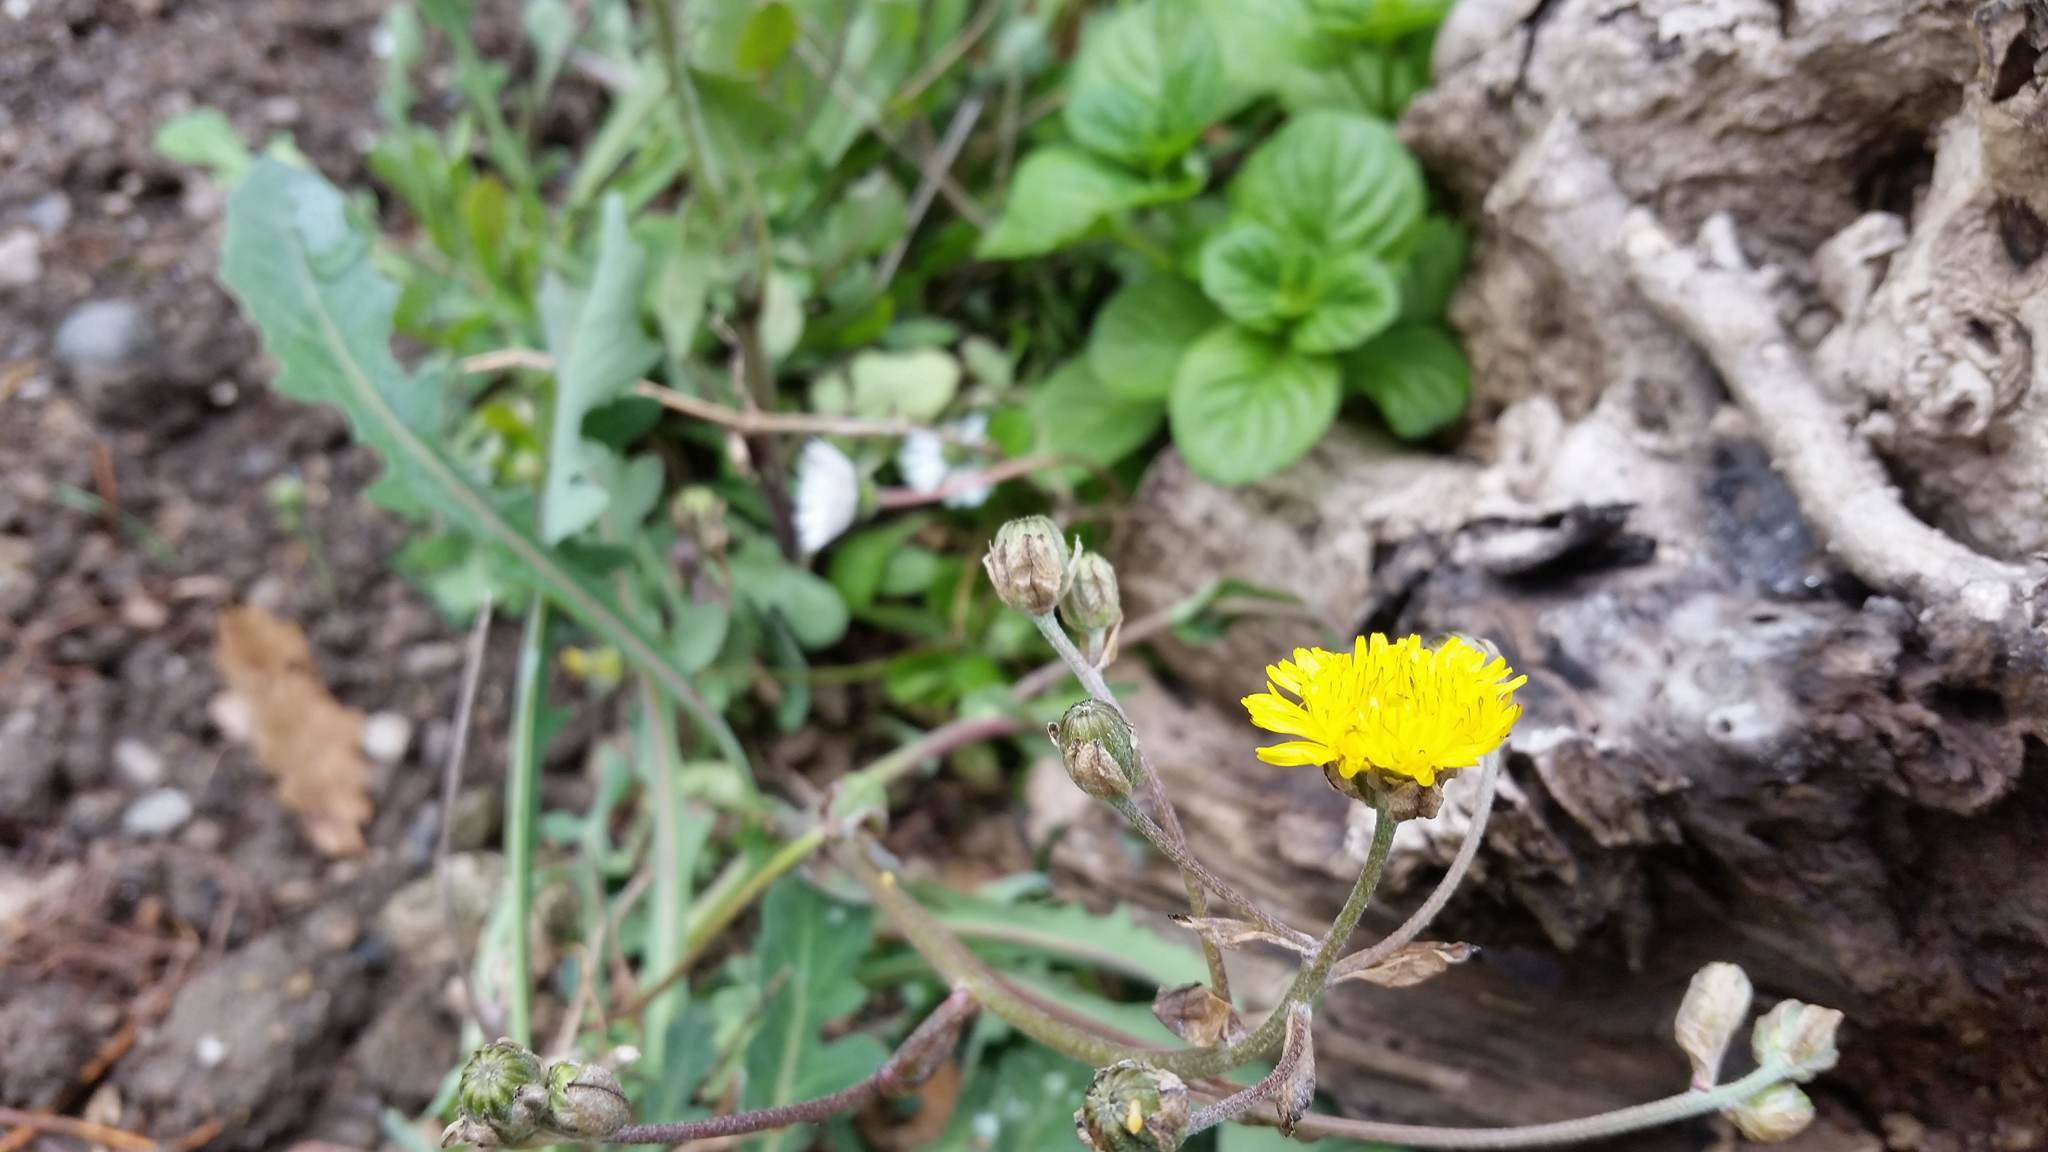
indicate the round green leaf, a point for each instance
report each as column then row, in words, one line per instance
column 1140, row 335
column 766, row 37
column 1378, row 21
column 1078, row 416
column 1245, row 406
column 1337, row 181
column 915, row 385
column 1149, row 80
column 1360, row 298
column 1259, row 277
column 1055, row 199
column 1435, row 265
column 1417, row 376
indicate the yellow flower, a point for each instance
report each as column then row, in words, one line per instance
column 1398, row 708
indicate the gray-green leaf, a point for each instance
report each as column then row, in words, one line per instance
column 1141, row 334
column 1417, row 376
column 1149, row 80
column 599, row 351
column 914, row 385
column 808, row 954
column 1245, row 406
column 1338, row 181
column 807, row 602
column 1077, row 415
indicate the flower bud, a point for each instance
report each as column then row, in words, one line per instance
column 1715, row 1004
column 1027, row 563
column 1799, row 1038
column 1091, row 604
column 1095, row 746
column 585, row 1101
column 503, row 1098
column 1132, row 1108
column 1777, row 1113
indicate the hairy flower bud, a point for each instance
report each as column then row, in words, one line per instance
column 1027, row 563
column 1095, row 746
column 1132, row 1108
column 1091, row 604
column 1777, row 1113
column 585, row 1101
column 503, row 1098
column 1797, row 1037
column 1715, row 1004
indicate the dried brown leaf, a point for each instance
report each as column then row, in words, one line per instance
column 308, row 743
column 1198, row 1016
column 1224, row 932
column 1409, row 964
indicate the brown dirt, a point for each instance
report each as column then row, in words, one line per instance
column 227, row 973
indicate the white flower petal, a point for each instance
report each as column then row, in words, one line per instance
column 827, row 495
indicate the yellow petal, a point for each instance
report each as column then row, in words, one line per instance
column 1297, row 753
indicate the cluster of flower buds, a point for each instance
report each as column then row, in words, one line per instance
column 1095, row 745
column 1035, row 571
column 1133, row 1108
column 1796, row 1038
column 508, row 1099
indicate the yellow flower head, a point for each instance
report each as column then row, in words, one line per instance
column 1399, row 708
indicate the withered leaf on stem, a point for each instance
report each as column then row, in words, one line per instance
column 1409, row 964
column 1198, row 1016
column 1224, row 932
column 308, row 743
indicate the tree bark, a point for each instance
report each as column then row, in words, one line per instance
column 1760, row 514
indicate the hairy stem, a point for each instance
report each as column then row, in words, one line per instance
column 1489, row 779
column 1234, row 1107
column 1169, row 821
column 1308, row 982
column 1179, row 854
column 1656, row 1113
column 910, row 1065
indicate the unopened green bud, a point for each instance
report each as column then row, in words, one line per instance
column 1799, row 1038
column 503, row 1098
column 1777, row 1113
column 1132, row 1108
column 1715, row 1004
column 585, row 1101
column 1095, row 746
column 699, row 514
column 1091, row 604
column 1027, row 563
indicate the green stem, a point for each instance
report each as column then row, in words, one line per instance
column 1670, row 1109
column 522, row 790
column 1169, row 821
column 1308, row 982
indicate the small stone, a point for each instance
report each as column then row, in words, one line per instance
column 232, row 717
column 432, row 659
column 157, row 813
column 223, row 394
column 210, row 1051
column 386, row 736
column 203, row 836
column 144, row 613
column 105, row 338
column 49, row 213
column 138, row 763
column 21, row 257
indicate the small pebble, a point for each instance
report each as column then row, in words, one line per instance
column 232, row 717
column 144, row 613
column 210, row 1051
column 105, row 338
column 157, row 813
column 138, row 763
column 386, row 736
column 49, row 213
column 21, row 257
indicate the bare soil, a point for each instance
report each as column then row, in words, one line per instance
column 220, row 977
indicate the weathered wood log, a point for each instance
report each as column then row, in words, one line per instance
column 1779, row 712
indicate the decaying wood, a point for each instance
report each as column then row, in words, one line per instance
column 1761, row 516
